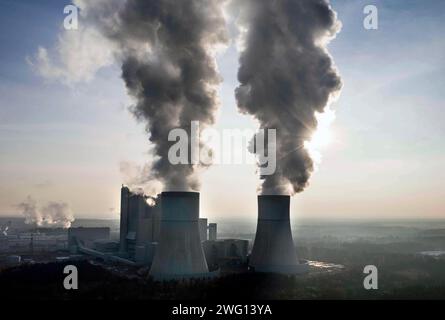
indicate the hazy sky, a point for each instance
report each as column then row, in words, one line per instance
column 65, row 143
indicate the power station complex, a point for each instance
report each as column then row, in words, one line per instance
column 169, row 236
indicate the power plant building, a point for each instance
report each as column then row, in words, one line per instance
column 172, row 239
column 180, row 253
column 203, row 229
column 86, row 236
column 139, row 226
column 273, row 249
column 226, row 251
column 213, row 229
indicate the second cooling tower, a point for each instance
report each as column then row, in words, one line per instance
column 179, row 253
column 273, row 249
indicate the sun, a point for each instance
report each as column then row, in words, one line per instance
column 322, row 137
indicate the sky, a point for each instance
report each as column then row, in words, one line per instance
column 62, row 141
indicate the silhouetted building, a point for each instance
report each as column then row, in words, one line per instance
column 213, row 230
column 226, row 251
column 179, row 253
column 139, row 225
column 86, row 236
column 203, row 229
column 273, row 249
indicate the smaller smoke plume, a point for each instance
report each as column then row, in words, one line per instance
column 53, row 215
column 140, row 179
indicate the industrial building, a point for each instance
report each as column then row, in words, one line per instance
column 168, row 236
column 203, row 227
column 33, row 242
column 86, row 236
column 273, row 249
column 139, row 226
column 213, row 230
column 226, row 252
column 180, row 253
column 141, row 222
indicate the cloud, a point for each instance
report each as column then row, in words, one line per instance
column 77, row 54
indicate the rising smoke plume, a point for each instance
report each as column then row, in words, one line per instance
column 139, row 178
column 286, row 76
column 166, row 49
column 174, row 81
column 52, row 215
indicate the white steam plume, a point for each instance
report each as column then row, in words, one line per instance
column 53, row 214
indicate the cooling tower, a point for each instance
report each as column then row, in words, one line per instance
column 179, row 253
column 273, row 249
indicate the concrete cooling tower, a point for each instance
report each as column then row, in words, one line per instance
column 179, row 254
column 273, row 249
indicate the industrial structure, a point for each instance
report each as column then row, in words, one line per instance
column 86, row 236
column 226, row 252
column 139, row 226
column 179, row 253
column 213, row 230
column 273, row 249
column 203, row 227
column 169, row 236
column 164, row 235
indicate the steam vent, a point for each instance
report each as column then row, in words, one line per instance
column 273, row 249
column 180, row 254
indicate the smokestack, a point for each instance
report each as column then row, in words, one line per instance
column 273, row 249
column 179, row 254
column 125, row 193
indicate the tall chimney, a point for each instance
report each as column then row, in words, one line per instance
column 179, row 253
column 213, row 231
column 273, row 249
column 125, row 194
